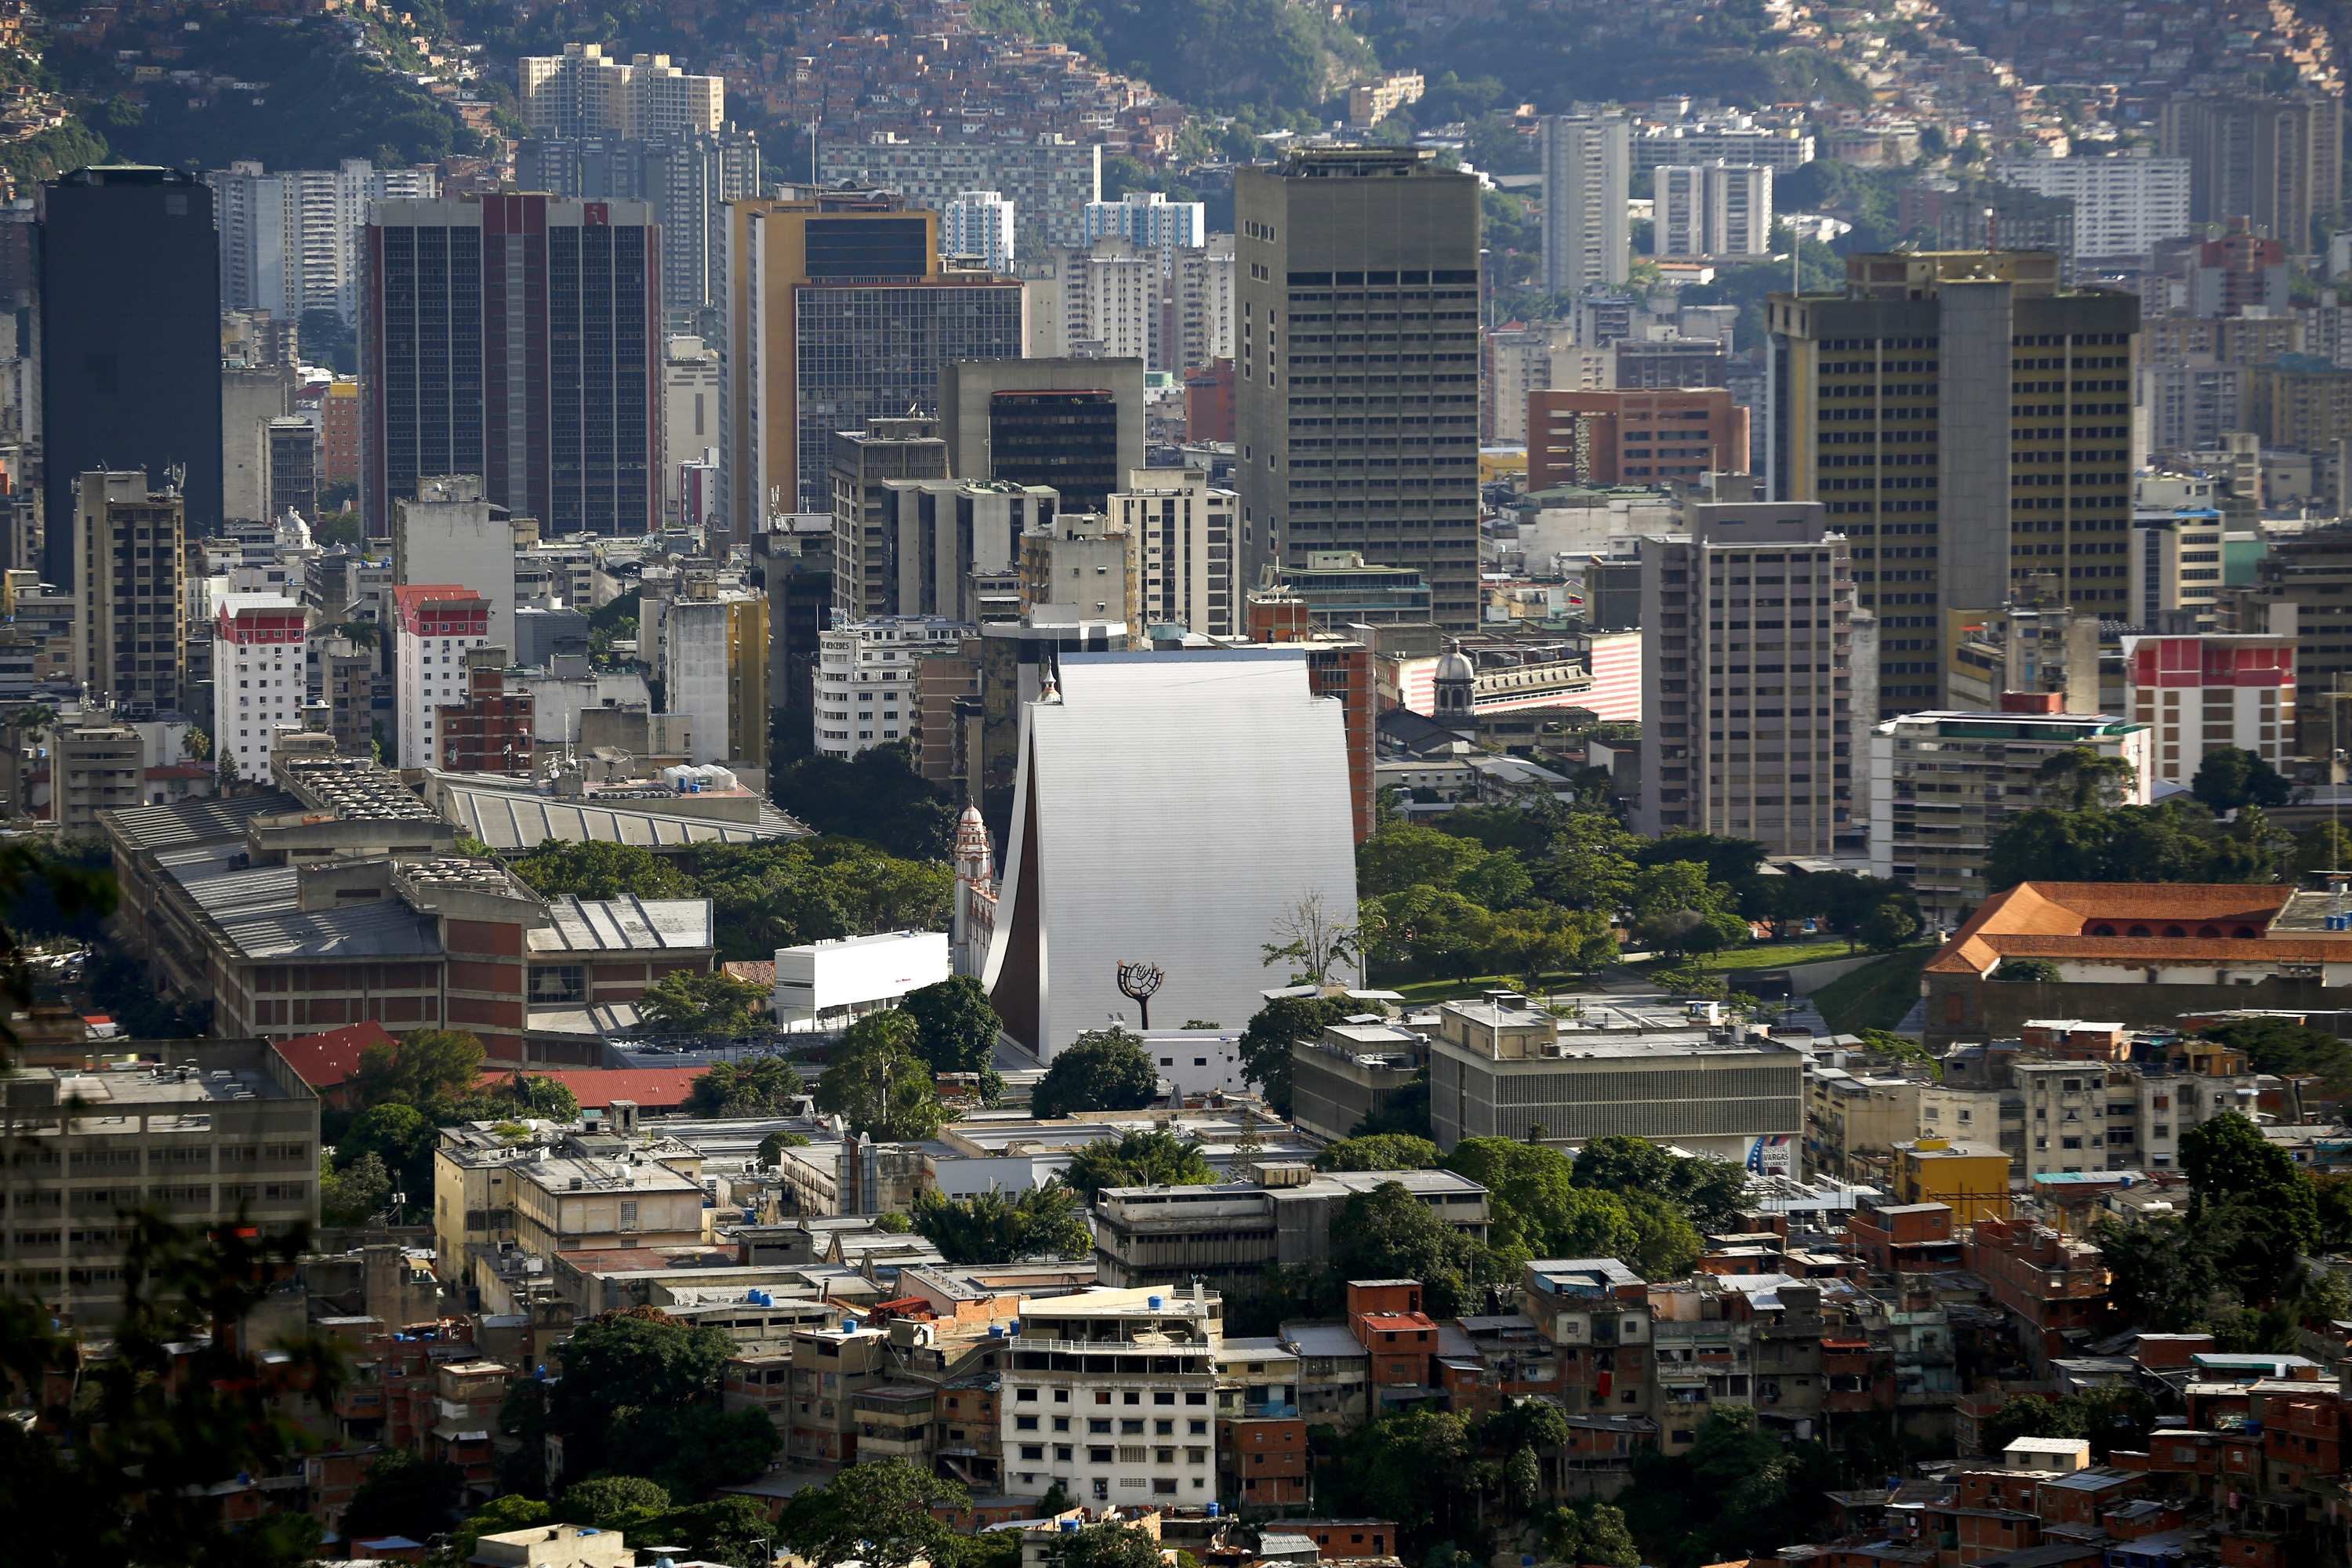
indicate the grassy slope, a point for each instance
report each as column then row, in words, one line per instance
column 1876, row 995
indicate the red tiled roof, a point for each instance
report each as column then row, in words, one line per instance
column 654, row 1089
column 325, row 1061
column 2048, row 920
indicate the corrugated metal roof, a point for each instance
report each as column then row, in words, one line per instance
column 624, row 925
column 517, row 820
column 194, row 821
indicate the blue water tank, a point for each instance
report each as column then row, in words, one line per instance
column 1152, row 1302
column 1213, row 1510
column 848, row 1325
column 1013, row 1326
column 1069, row 1524
column 995, row 1331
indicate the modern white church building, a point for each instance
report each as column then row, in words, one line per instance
column 1167, row 809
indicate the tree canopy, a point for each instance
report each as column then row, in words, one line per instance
column 955, row 1026
column 1389, row 1234
column 712, row 1003
column 1141, row 1157
column 762, row 1086
column 875, row 1512
column 877, row 1083
column 1046, row 1221
column 1102, row 1070
column 1266, row 1044
column 1380, row 1152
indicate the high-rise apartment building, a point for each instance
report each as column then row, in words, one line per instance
column 446, row 532
column 978, row 226
column 686, row 178
column 694, row 382
column 130, row 331
column 1357, row 391
column 1186, row 530
column 2175, row 563
column 1148, row 217
column 517, row 337
column 1588, row 173
column 841, row 314
column 1200, row 306
column 2303, row 588
column 935, row 534
column 1732, row 139
column 867, row 685
column 1968, row 424
column 864, row 537
column 289, row 240
column 1748, row 684
column 715, row 650
column 131, row 626
column 1076, row 425
column 1110, row 1396
column 293, row 450
column 2125, row 204
column 2196, row 694
column 1082, row 566
column 259, row 680
column 1712, row 209
column 1102, row 300
column 585, row 92
column 1943, row 783
column 2277, row 162
column 1050, row 180
column 436, row 626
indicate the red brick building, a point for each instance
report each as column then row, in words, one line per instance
column 2053, row 1285
column 1634, row 438
column 490, row 731
column 1209, row 403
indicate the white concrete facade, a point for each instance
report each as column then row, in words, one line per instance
column 2124, row 203
column 1214, row 779
column 259, row 680
column 693, row 377
column 1113, row 1394
column 824, row 984
column 1588, row 171
column 1712, row 209
column 978, row 224
column 438, row 625
column 1148, row 217
column 447, row 533
column 865, row 693
column 1185, row 532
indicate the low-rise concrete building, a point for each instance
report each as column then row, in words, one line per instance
column 1229, row 1236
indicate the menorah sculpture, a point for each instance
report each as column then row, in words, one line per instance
column 1136, row 982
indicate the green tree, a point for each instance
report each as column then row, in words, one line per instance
column 1382, row 1152
column 421, row 1070
column 771, row 1148
column 1141, row 1157
column 878, row 1085
column 1677, row 910
column 1435, row 931
column 591, row 871
column 1888, row 926
column 355, row 1195
column 400, row 1139
column 1313, row 941
column 639, row 1396
column 1590, row 865
column 167, row 1417
column 2079, row 778
column 1709, row 1191
column 731, row 1530
column 704, row 1004
column 955, row 1027
column 2229, row 777
column 989, row 1228
column 878, row 1514
column 610, row 1502
column 2228, row 1159
column 2028, row 971
column 878, row 796
column 762, row 1086
column 541, row 1096
column 1389, row 1234
column 1102, row 1070
column 1266, row 1044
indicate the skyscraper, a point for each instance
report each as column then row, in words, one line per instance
column 1713, row 209
column 517, row 337
column 290, row 241
column 1360, row 436
column 131, row 341
column 585, row 92
column 128, row 543
column 840, row 312
column 687, row 177
column 2278, row 161
column 1074, row 424
column 1148, row 217
column 1588, row 172
column 1747, row 688
column 1968, row 425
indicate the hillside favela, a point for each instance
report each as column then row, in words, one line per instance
column 1175, row 783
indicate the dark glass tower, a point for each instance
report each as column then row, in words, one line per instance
column 131, row 341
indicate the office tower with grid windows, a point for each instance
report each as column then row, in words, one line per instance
column 517, row 337
column 841, row 313
column 1967, row 423
column 1356, row 367
column 129, row 618
column 1588, row 173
